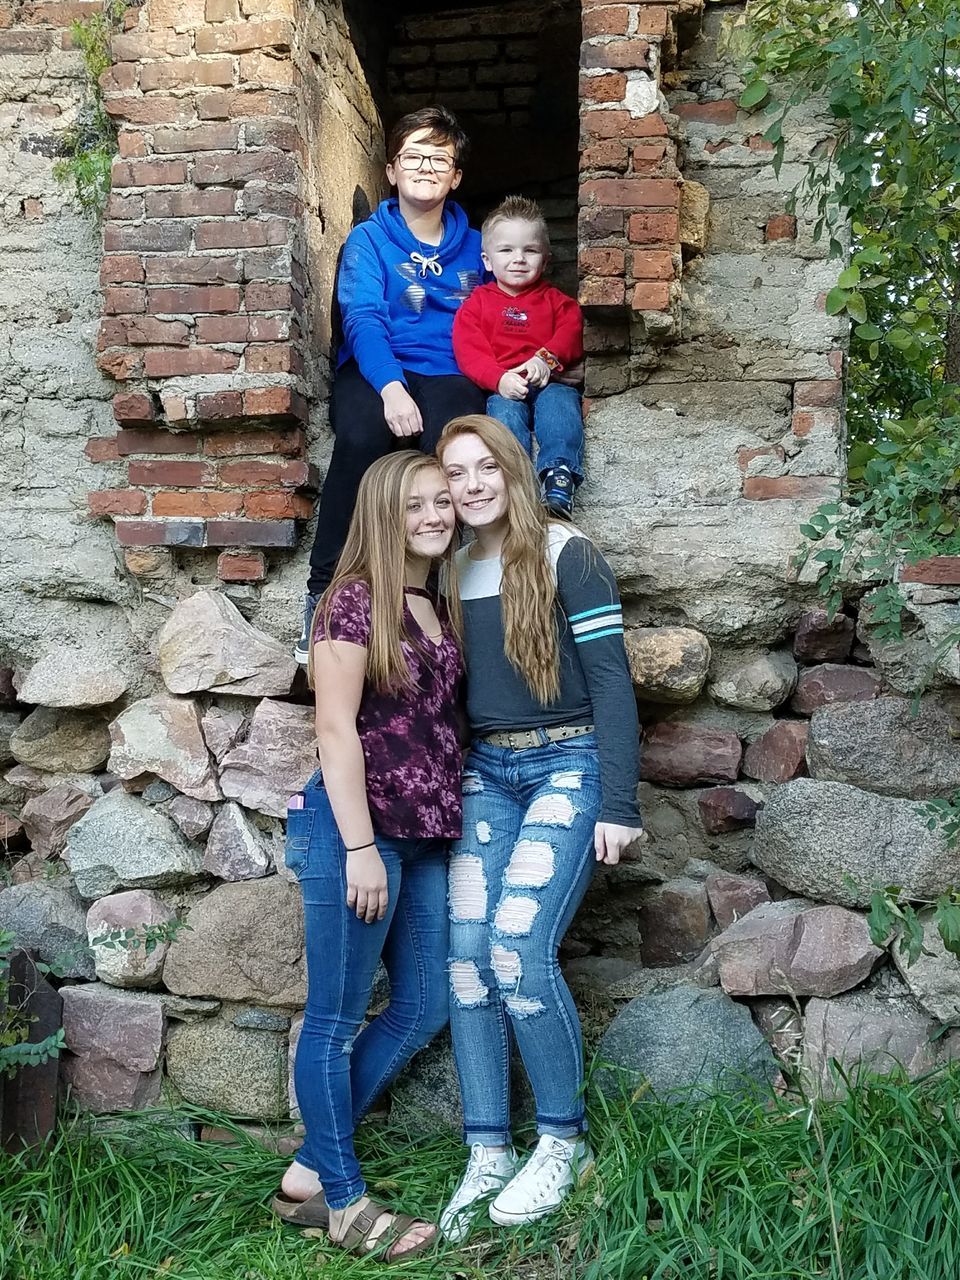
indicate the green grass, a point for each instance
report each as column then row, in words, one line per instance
column 722, row 1190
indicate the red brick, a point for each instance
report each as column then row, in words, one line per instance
column 271, row 297
column 757, row 142
column 746, row 456
column 244, row 166
column 117, row 502
column 241, row 328
column 277, row 506
column 610, row 88
column 711, row 148
column 193, row 300
column 143, row 564
column 191, row 204
column 177, row 364
column 255, row 475
column 601, row 292
column 25, row 41
column 781, row 227
column 663, row 193
column 120, row 78
column 148, row 237
column 651, row 297
column 653, row 20
column 621, row 124
column 242, row 235
column 142, row 331
column 654, row 228
column 252, row 533
column 102, row 449
column 240, row 566
column 274, row 402
column 601, row 262
column 648, row 155
column 148, row 173
column 199, row 137
column 219, row 406
column 174, row 475
column 119, row 365
column 153, row 44
column 821, row 421
column 241, row 36
column 724, row 111
column 239, row 444
column 813, row 488
column 57, row 14
column 627, row 55
column 157, row 533
column 123, row 208
column 121, row 269
column 935, row 570
column 652, row 265
column 273, row 357
column 835, row 360
column 274, row 263
column 193, row 270
column 610, row 154
column 823, row 394
column 610, row 21
column 598, row 224
column 197, row 504
column 134, row 407
column 152, row 110
column 184, row 73
column 134, row 440
column 239, row 104
column 123, row 301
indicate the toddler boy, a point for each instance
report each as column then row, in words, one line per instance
column 515, row 336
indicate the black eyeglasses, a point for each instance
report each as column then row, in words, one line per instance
column 411, row 160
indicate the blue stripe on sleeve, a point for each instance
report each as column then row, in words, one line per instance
column 597, row 635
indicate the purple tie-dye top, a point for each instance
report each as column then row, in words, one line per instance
column 410, row 743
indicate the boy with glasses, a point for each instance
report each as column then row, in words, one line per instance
column 403, row 275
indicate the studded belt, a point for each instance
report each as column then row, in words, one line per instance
column 521, row 739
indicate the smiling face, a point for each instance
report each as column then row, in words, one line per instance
column 514, row 251
column 422, row 189
column 429, row 515
column 478, row 485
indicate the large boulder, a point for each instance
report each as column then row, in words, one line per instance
column 244, row 942
column 707, row 714
column 686, row 1042
column 675, row 922
column 794, row 948
column 121, row 931
column 756, row 683
column 275, row 761
column 59, row 741
column 677, row 755
column 821, row 685
column 780, row 754
column 115, row 1039
column 72, row 677
column 732, row 896
column 895, row 746
column 222, row 1067
column 162, row 735
column 667, row 664
column 49, row 816
column 47, row 916
column 934, row 977
column 121, row 843
column 878, row 1029
column 206, row 643
column 835, row 843
column 235, row 850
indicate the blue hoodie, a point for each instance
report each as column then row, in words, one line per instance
column 398, row 313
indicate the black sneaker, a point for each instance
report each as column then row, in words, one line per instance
column 302, row 650
column 558, row 487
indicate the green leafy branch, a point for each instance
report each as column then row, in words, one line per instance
column 15, row 1023
column 147, row 936
column 895, row 922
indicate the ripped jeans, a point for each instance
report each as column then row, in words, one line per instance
column 517, row 877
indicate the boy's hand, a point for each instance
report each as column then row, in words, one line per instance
column 537, row 371
column 400, row 410
column 513, row 384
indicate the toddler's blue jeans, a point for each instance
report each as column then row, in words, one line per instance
column 554, row 416
column 339, row 1073
column 517, row 877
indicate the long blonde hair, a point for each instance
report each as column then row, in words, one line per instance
column 528, row 591
column 375, row 553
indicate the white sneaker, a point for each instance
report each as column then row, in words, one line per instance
column 487, row 1171
column 555, row 1168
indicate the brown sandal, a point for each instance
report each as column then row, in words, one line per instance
column 302, row 1213
column 356, row 1238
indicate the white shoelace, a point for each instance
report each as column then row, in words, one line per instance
column 549, row 1162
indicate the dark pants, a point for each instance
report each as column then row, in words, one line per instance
column 361, row 435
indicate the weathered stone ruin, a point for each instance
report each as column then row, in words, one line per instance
column 163, row 389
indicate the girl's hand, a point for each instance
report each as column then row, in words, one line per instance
column 513, row 385
column 400, row 410
column 610, row 839
column 367, row 884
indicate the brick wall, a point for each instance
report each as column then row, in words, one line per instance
column 246, row 131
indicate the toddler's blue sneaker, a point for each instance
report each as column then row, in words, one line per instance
column 558, row 489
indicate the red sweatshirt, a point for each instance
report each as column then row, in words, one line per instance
column 494, row 332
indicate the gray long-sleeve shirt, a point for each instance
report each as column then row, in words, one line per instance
column 595, row 686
